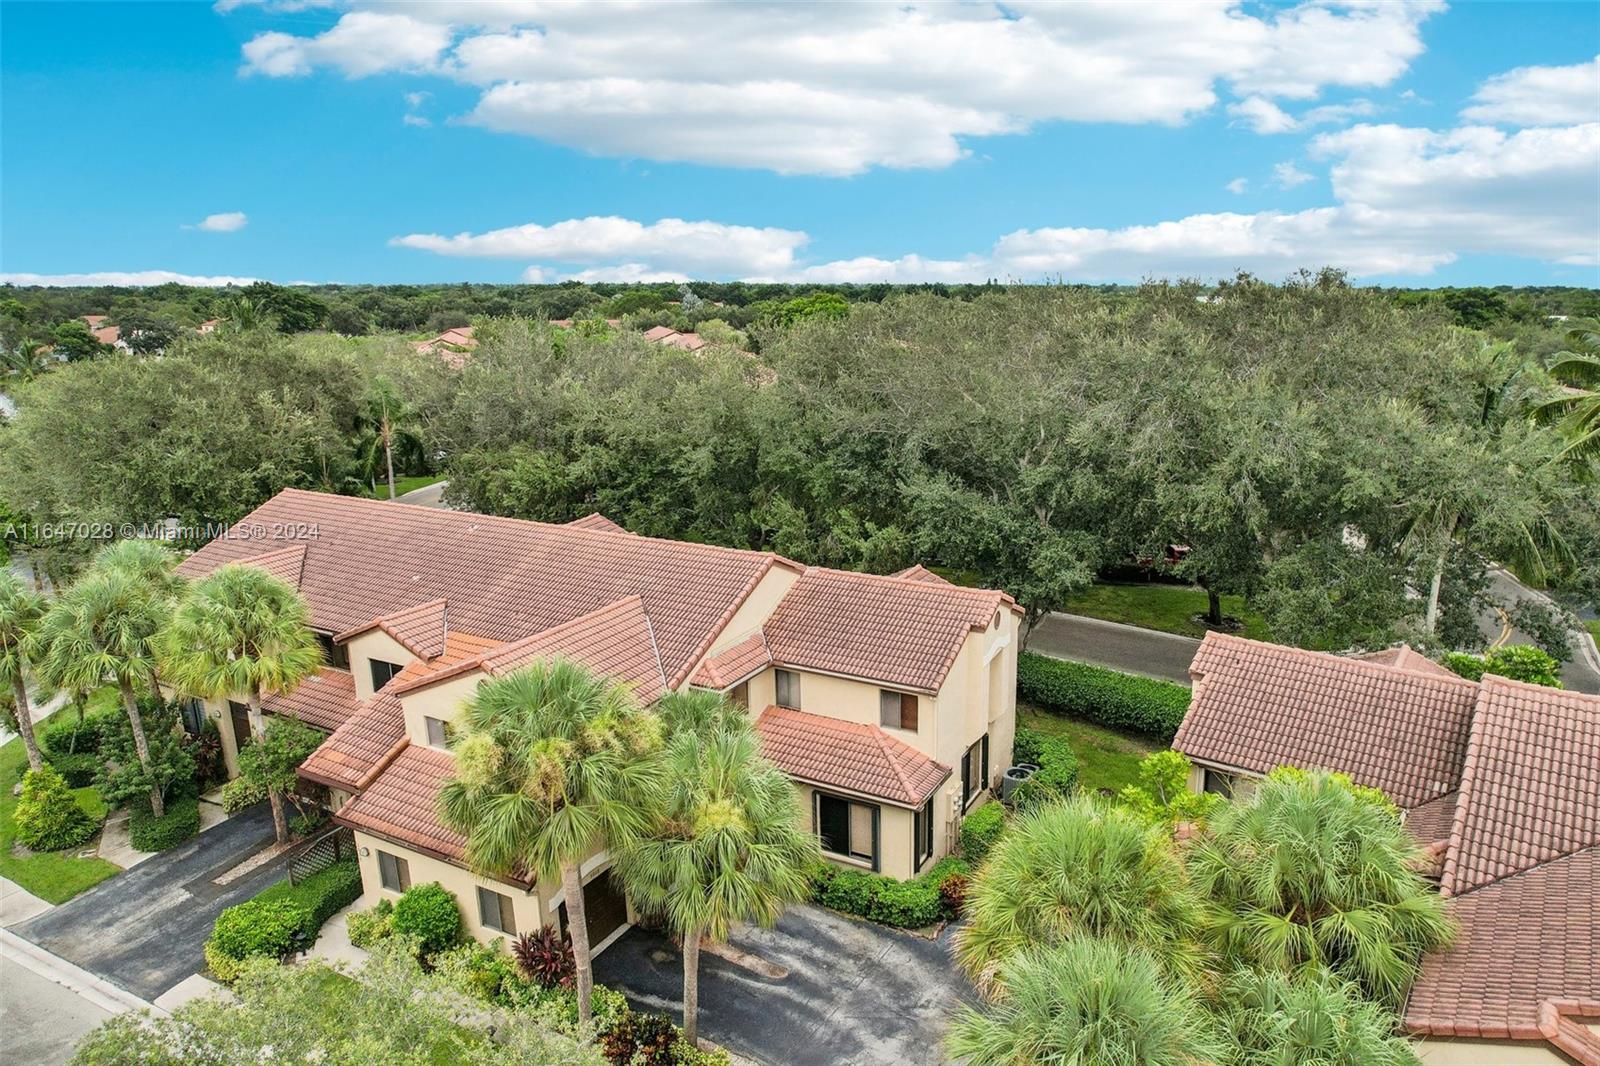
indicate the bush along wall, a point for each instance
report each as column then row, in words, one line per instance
column 1108, row 697
column 903, row 904
column 323, row 894
column 146, row 832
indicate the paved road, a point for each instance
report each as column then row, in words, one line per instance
column 143, row 930
column 42, row 1020
column 1133, row 649
column 1582, row 674
column 856, row 995
column 426, row 496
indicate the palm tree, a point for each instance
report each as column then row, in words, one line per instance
column 387, row 422
column 726, row 846
column 241, row 631
column 1079, row 867
column 1577, row 410
column 552, row 764
column 20, row 611
column 104, row 628
column 1270, row 1019
column 1086, row 1002
column 699, row 712
column 1315, row 871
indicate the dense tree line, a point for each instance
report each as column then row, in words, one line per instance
column 1349, row 463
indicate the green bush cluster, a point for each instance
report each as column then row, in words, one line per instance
column 981, row 829
column 239, row 794
column 1118, row 700
column 368, row 927
column 1520, row 662
column 431, row 914
column 269, row 928
column 181, row 821
column 909, row 904
column 323, row 894
column 47, row 816
column 1057, row 776
column 73, row 747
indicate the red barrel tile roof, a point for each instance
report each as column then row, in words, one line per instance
column 900, row 632
column 402, row 804
column 326, row 700
column 348, row 758
column 918, row 572
column 734, row 663
column 284, row 564
column 616, row 641
column 421, row 630
column 850, row 756
column 1404, row 657
column 596, row 520
column 1259, row 706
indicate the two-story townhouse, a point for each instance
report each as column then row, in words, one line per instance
column 889, row 700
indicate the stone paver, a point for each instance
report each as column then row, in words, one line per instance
column 333, row 939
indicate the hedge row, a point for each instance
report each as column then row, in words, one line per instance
column 904, row 904
column 323, row 894
column 981, row 829
column 1118, row 700
column 146, row 832
column 1057, row 776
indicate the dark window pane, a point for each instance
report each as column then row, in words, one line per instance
column 393, row 872
column 788, row 686
column 833, row 824
column 336, row 655
column 382, row 672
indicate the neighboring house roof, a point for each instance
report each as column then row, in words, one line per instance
column 904, row 633
column 850, row 756
column 504, row 578
column 107, row 334
column 1259, row 706
column 402, row 804
column 361, row 747
column 326, row 700
column 284, row 564
column 689, row 342
column 659, row 333
column 918, row 572
column 95, row 320
column 596, row 520
column 421, row 630
column 1404, row 657
column 735, row 663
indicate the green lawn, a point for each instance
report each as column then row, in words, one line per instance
column 1170, row 608
column 1594, row 627
column 403, row 485
column 1106, row 758
column 52, row 876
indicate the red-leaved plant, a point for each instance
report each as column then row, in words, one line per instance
column 545, row 958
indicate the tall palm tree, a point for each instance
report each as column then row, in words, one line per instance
column 1086, row 1002
column 20, row 611
column 1078, row 867
column 552, row 764
column 726, row 846
column 1577, row 410
column 388, row 425
column 241, row 631
column 1313, row 871
column 1271, row 1019
column 104, row 628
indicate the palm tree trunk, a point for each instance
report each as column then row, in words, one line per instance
column 388, row 460
column 1431, row 619
column 258, row 730
column 130, row 703
column 19, row 692
column 578, row 929
column 691, row 985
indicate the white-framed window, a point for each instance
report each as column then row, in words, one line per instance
column 494, row 911
column 788, row 689
column 897, row 710
column 393, row 872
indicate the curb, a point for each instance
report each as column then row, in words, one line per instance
column 97, row 990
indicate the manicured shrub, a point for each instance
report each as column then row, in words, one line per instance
column 1122, row 701
column 269, row 928
column 1520, row 662
column 146, row 832
column 909, row 904
column 77, row 769
column 1056, row 778
column 368, row 927
column 239, row 794
column 640, row 1040
column 47, row 816
column 431, row 914
column 323, row 894
column 64, row 734
column 545, row 958
column 980, row 830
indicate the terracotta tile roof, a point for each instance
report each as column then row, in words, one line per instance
column 616, row 641
column 360, row 746
column 1404, row 657
column 918, row 572
column 1525, row 961
column 326, row 701
column 107, row 334
column 421, row 630
column 1259, row 706
column 1430, row 822
column 504, row 578
column 401, row 805
column 596, row 520
column 734, row 663
column 901, row 632
column 95, row 320
column 689, row 342
column 285, row 564
column 848, row 755
column 659, row 333
column 1530, row 787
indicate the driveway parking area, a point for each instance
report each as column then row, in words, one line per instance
column 856, row 994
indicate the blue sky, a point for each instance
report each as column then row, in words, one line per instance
column 1410, row 143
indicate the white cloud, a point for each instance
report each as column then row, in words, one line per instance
column 1238, row 186
column 1287, row 176
column 226, row 222
column 1264, row 116
column 361, row 43
column 837, row 89
column 1540, row 96
column 671, row 248
column 416, row 100
column 415, row 120
column 124, row 277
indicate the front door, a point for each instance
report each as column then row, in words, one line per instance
column 605, row 909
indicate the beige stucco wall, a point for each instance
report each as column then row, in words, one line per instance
column 443, row 701
column 373, row 644
column 1443, row 1052
column 754, row 611
column 894, row 834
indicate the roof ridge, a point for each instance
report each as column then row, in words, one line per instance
column 891, row 756
column 1534, row 868
column 945, row 589
column 1333, row 657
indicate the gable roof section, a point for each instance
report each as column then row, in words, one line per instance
column 918, row 572
column 616, row 641
column 1530, row 787
column 734, row 664
column 850, row 756
column 1404, row 657
column 421, row 630
column 596, row 520
column 401, row 805
column 361, row 746
column 504, row 578
column 285, row 564
column 1259, row 706
column 900, row 632
column 326, row 700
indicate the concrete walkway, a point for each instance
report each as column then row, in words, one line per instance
column 17, row 904
column 1132, row 649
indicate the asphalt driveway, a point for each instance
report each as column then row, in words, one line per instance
column 856, row 995
column 144, row 929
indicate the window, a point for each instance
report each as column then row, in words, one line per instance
column 922, row 834
column 788, row 684
column 394, row 872
column 194, row 716
column 336, row 655
column 897, row 710
column 1219, row 783
column 974, row 771
column 382, row 672
column 494, row 912
column 846, row 828
column 436, row 733
column 240, row 715
column 740, row 694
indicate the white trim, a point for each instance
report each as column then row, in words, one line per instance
column 998, row 647
column 612, row 939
